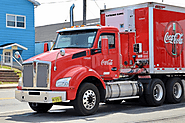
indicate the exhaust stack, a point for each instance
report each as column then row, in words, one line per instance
column 71, row 15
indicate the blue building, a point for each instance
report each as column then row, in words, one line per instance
column 17, row 29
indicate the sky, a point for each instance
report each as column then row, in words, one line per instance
column 57, row 11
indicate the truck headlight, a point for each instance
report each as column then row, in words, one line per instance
column 64, row 82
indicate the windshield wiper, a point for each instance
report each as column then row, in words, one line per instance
column 67, row 47
column 56, row 48
column 73, row 47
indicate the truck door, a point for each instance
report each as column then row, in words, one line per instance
column 107, row 65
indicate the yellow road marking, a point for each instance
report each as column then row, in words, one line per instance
column 7, row 98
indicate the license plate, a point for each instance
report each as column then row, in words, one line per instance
column 57, row 99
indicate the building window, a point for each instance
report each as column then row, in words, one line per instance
column 15, row 21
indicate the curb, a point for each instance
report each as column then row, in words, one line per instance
column 8, row 86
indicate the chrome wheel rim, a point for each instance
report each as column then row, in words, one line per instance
column 158, row 92
column 177, row 90
column 89, row 99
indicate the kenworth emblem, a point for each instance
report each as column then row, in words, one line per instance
column 173, row 39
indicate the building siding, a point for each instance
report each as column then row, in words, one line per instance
column 24, row 37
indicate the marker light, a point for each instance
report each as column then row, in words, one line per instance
column 159, row 7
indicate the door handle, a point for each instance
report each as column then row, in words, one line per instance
column 114, row 68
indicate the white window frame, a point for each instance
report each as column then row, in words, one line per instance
column 16, row 21
column 4, row 57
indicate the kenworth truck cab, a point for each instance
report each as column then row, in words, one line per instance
column 81, row 60
column 137, row 53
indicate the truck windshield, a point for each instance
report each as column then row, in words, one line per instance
column 75, row 39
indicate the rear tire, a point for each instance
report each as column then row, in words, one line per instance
column 40, row 107
column 174, row 90
column 87, row 99
column 157, row 93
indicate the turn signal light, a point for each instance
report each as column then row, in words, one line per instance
column 19, row 87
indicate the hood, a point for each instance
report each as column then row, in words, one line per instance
column 51, row 55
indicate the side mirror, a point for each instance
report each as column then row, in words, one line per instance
column 62, row 52
column 46, row 47
column 105, row 46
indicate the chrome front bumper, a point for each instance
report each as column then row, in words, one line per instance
column 39, row 96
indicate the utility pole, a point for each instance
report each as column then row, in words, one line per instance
column 84, row 12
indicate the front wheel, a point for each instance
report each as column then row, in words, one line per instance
column 40, row 107
column 157, row 93
column 87, row 99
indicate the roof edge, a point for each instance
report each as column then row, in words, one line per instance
column 35, row 3
column 14, row 44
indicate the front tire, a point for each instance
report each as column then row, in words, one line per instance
column 157, row 93
column 174, row 90
column 87, row 99
column 40, row 107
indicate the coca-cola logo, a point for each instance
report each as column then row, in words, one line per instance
column 107, row 62
column 173, row 39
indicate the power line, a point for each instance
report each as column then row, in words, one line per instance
column 67, row 1
column 58, row 2
column 97, row 4
column 91, row 11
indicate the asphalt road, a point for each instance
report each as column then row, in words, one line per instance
column 12, row 111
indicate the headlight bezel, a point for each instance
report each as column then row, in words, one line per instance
column 63, row 82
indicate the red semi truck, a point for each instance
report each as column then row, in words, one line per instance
column 137, row 52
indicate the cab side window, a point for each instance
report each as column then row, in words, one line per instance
column 111, row 40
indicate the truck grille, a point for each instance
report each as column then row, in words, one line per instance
column 36, row 75
column 28, row 75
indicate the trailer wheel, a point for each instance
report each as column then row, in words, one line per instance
column 157, row 93
column 87, row 99
column 174, row 90
column 40, row 107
